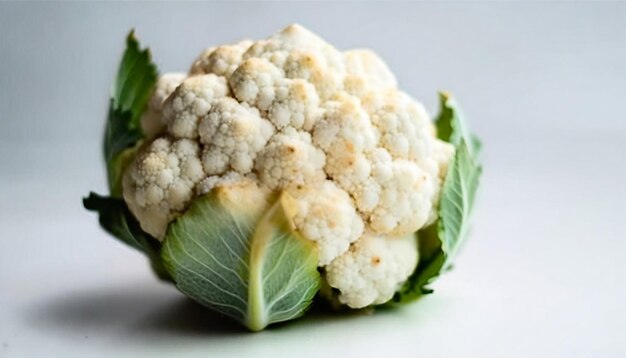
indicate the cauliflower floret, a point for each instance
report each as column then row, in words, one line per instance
column 299, row 53
column 289, row 158
column 222, row 60
column 314, row 68
column 159, row 184
column 326, row 215
column 151, row 121
column 232, row 135
column 395, row 197
column 373, row 269
column 190, row 101
column 256, row 82
column 346, row 122
column 404, row 200
column 367, row 189
column 296, row 105
column 404, row 125
column 294, row 38
column 442, row 155
column 365, row 63
column 287, row 102
column 345, row 134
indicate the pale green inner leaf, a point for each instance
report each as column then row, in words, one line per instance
column 255, row 270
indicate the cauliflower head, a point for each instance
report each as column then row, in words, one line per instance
column 293, row 114
column 279, row 172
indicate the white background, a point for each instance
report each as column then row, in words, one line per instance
column 543, row 273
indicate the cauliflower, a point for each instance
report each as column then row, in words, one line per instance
column 324, row 146
column 279, row 107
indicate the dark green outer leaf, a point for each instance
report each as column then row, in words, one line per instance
column 136, row 77
column 135, row 81
column 133, row 85
column 117, row 220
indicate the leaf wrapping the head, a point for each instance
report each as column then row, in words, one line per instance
column 253, row 268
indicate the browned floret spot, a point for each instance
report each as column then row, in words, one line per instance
column 375, row 260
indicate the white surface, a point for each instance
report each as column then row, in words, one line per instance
column 543, row 273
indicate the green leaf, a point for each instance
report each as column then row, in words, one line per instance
column 457, row 197
column 446, row 116
column 133, row 85
column 439, row 242
column 116, row 168
column 135, row 81
column 451, row 125
column 117, row 220
column 250, row 266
